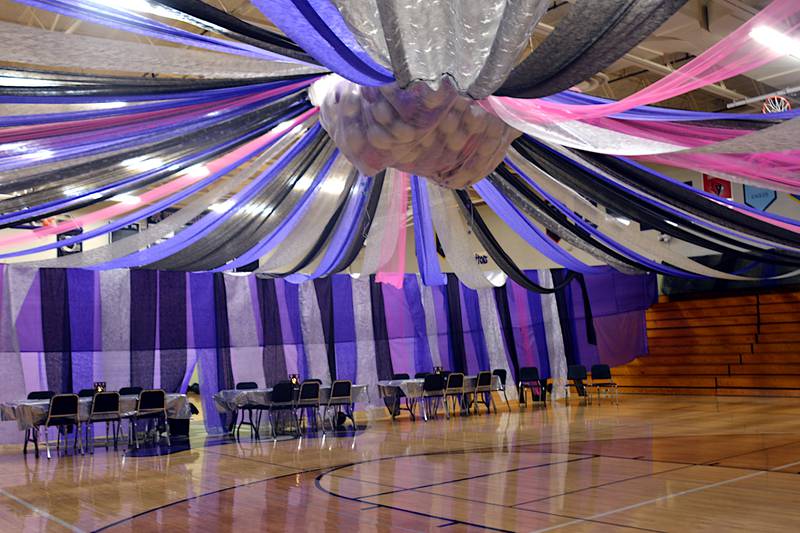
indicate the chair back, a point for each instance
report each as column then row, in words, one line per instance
column 576, row 372
column 484, row 379
column 130, row 391
column 601, row 373
column 341, row 390
column 151, row 401
column 282, row 392
column 455, row 382
column 315, row 380
column 246, row 385
column 309, row 390
column 501, row 374
column 63, row 406
column 433, row 383
column 400, row 376
column 86, row 393
column 421, row 375
column 41, row 395
column 528, row 374
column 105, row 403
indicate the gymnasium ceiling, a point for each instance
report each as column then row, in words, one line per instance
column 696, row 27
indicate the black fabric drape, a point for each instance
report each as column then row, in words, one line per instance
column 455, row 326
column 504, row 312
column 224, row 368
column 565, row 319
column 56, row 335
column 591, row 333
column 383, row 355
column 144, row 305
column 172, row 329
column 324, row 290
column 592, row 36
column 273, row 357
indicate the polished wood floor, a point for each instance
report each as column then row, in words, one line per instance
column 652, row 464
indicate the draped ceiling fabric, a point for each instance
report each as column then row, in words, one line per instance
column 64, row 329
column 232, row 164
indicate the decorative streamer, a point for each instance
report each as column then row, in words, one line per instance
column 553, row 337
column 431, row 327
column 393, row 251
column 491, row 327
column 313, row 338
column 245, row 353
column 366, row 355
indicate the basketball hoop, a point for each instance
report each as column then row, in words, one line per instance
column 776, row 104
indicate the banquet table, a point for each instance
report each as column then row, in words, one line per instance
column 230, row 400
column 394, row 389
column 30, row 413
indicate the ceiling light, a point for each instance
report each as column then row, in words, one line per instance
column 623, row 220
column 197, row 171
column 8, row 81
column 128, row 199
column 39, row 154
column 223, row 207
column 776, row 41
column 143, row 163
column 109, row 105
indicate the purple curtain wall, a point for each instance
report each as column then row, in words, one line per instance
column 65, row 329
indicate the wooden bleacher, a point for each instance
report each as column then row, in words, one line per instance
column 742, row 345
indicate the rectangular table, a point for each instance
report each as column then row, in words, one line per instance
column 31, row 413
column 394, row 389
column 230, row 400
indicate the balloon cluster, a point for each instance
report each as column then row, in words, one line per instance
column 437, row 134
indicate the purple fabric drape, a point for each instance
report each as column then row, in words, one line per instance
column 56, row 329
column 172, row 329
column 274, row 359
column 344, row 328
column 383, row 353
column 82, row 308
column 422, row 351
column 424, row 237
column 144, row 307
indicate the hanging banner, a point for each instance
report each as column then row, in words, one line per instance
column 759, row 198
column 718, row 186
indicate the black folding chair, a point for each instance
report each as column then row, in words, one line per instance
column 248, row 408
column 151, row 407
column 341, row 401
column 577, row 377
column 502, row 375
column 130, row 391
column 421, row 375
column 32, row 433
column 602, row 380
column 483, row 387
column 454, row 390
column 308, row 400
column 63, row 414
column 432, row 395
column 529, row 379
column 105, row 408
column 281, row 401
column 86, row 393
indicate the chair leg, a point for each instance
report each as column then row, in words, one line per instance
column 508, row 405
column 46, row 442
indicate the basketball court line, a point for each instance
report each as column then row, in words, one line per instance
column 41, row 512
column 668, row 496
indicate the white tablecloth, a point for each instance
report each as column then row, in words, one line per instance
column 412, row 388
column 29, row 413
column 230, row 400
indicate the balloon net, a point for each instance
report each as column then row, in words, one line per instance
column 437, row 133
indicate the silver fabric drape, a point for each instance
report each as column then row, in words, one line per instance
column 366, row 363
column 246, row 353
column 385, row 229
column 476, row 43
column 554, row 338
column 24, row 44
column 495, row 345
column 332, row 191
column 431, row 327
column 313, row 338
column 115, row 327
column 459, row 245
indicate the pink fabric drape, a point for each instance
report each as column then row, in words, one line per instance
column 735, row 54
column 184, row 179
column 393, row 252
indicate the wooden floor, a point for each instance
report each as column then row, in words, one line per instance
column 653, row 463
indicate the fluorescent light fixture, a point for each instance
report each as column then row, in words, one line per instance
column 622, row 220
column 223, row 207
column 39, row 154
column 128, row 199
column 142, row 6
column 671, row 223
column 198, row 171
column 9, row 81
column 143, row 163
column 776, row 41
column 109, row 105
